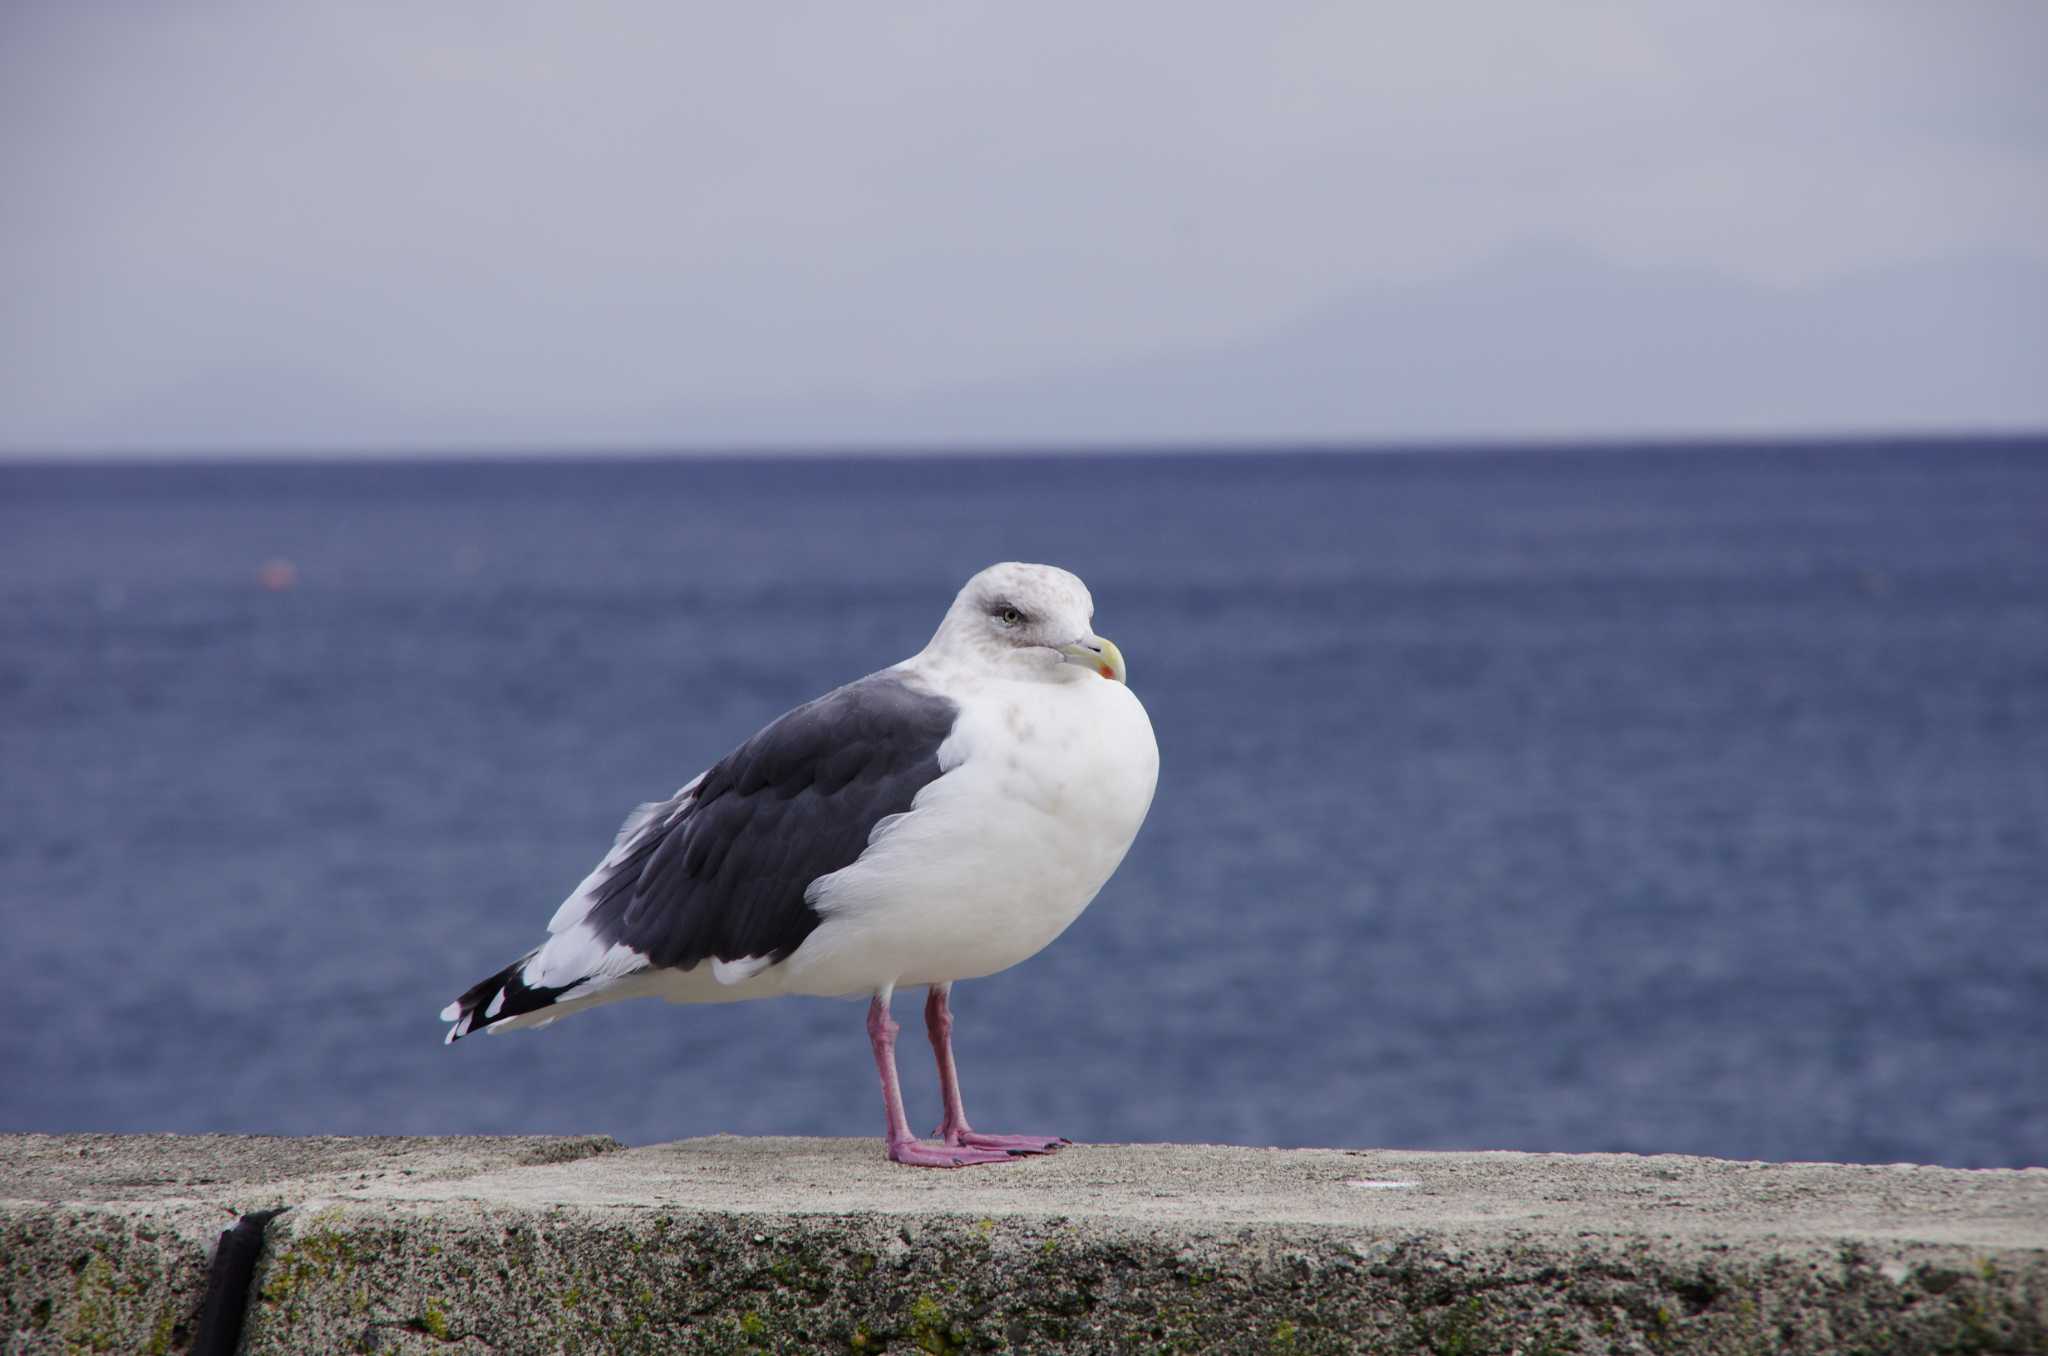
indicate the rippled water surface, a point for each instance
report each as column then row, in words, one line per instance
column 1665, row 800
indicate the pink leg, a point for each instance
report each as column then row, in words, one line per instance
column 903, row 1146
column 954, row 1130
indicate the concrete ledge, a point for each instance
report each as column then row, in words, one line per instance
column 104, row 1239
column 535, row 1245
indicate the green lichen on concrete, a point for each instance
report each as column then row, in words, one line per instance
column 316, row 1257
column 420, row 1277
column 1990, row 1317
column 95, row 1320
column 161, row 1335
column 930, row 1329
column 96, row 1281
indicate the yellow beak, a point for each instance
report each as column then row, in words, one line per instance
column 1100, row 654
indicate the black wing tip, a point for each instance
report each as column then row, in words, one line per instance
column 497, row 999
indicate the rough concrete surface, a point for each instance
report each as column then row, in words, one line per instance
column 801, row 1244
column 104, row 1239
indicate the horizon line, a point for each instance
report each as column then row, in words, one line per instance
column 974, row 449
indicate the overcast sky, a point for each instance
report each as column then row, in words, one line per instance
column 338, row 226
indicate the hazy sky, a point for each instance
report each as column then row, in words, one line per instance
column 341, row 225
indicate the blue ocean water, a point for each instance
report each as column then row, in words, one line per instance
column 1675, row 799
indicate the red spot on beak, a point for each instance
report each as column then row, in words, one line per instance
column 1106, row 671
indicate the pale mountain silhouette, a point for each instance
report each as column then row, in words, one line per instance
column 1540, row 342
column 1551, row 341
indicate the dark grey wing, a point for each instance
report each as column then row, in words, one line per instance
column 721, row 872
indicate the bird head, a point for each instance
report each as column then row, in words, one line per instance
column 1032, row 615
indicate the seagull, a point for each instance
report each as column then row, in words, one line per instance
column 940, row 820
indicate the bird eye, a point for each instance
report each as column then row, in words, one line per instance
column 1009, row 616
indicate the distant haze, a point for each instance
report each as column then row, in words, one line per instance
column 382, row 227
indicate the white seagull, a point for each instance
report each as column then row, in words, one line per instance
column 937, row 821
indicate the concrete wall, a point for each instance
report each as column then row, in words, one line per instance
column 546, row 1245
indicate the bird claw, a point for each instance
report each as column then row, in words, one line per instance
column 1010, row 1144
column 917, row 1154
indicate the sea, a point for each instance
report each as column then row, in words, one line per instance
column 1653, row 799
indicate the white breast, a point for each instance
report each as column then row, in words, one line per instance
column 1047, row 784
